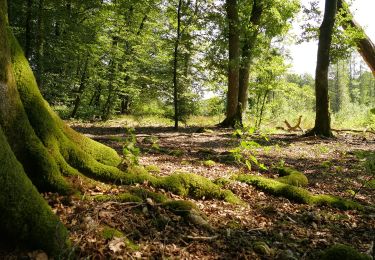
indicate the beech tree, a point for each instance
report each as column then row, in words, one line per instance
column 233, row 63
column 322, row 119
column 37, row 151
column 251, row 28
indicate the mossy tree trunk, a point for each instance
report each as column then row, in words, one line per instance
column 37, row 152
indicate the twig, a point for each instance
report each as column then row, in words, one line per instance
column 202, row 238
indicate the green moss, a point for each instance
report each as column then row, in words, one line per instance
column 209, row 163
column 343, row 252
column 326, row 164
column 176, row 153
column 188, row 184
column 277, row 188
column 138, row 174
column 180, row 207
column 25, row 217
column 153, row 168
column 262, row 248
column 336, row 202
column 131, row 245
column 292, row 177
column 370, row 184
column 221, row 182
column 144, row 194
column 109, row 233
column 296, row 194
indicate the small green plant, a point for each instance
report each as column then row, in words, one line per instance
column 326, row 164
column 130, row 149
column 153, row 141
column 245, row 153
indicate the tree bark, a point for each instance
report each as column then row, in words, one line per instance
column 175, row 66
column 111, row 84
column 248, row 45
column 28, row 29
column 25, row 217
column 40, row 45
column 233, row 64
column 37, row 151
column 322, row 120
column 81, row 89
column 365, row 46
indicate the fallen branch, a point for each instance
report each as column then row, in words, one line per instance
column 354, row 131
column 290, row 128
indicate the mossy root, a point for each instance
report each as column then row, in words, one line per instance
column 188, row 184
column 297, row 194
column 343, row 252
column 292, row 177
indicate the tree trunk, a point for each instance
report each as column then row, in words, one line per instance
column 81, row 89
column 322, row 120
column 28, row 29
column 38, row 151
column 175, row 66
column 365, row 46
column 248, row 45
column 95, row 99
column 40, row 45
column 125, row 103
column 111, row 85
column 233, row 64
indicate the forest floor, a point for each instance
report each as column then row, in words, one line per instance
column 265, row 227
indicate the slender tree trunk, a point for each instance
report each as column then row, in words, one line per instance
column 81, row 88
column 248, row 45
column 40, row 45
column 175, row 66
column 95, row 99
column 233, row 64
column 111, row 85
column 262, row 108
column 322, row 120
column 125, row 103
column 28, row 29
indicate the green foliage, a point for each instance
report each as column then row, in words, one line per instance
column 130, row 149
column 245, row 153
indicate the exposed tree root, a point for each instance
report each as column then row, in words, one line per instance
column 297, row 194
column 49, row 151
column 320, row 133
